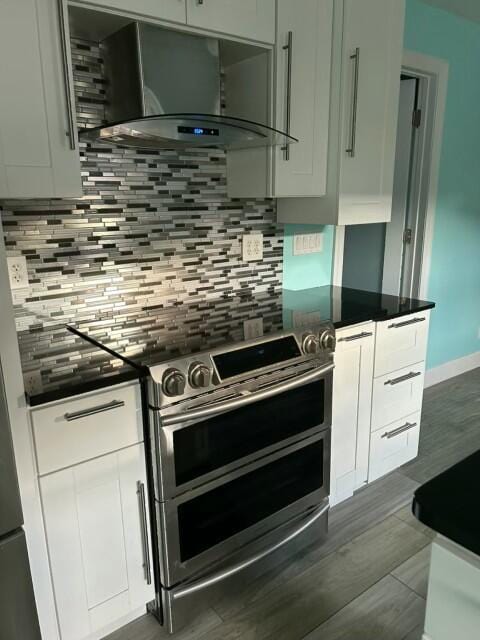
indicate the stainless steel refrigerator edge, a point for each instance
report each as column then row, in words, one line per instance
column 18, row 613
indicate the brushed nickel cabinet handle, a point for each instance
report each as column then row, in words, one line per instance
column 407, row 376
column 405, row 323
column 66, row 74
column 396, row 432
column 357, row 336
column 144, row 527
column 288, row 101
column 84, row 413
column 353, row 122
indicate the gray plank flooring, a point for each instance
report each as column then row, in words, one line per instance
column 369, row 579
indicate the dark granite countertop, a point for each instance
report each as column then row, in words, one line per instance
column 134, row 340
column 450, row 503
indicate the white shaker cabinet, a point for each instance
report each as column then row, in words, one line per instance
column 251, row 19
column 366, row 68
column 171, row 10
column 96, row 531
column 38, row 140
column 352, row 401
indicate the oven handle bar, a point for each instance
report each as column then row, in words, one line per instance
column 255, row 396
column 240, row 566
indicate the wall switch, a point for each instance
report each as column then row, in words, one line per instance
column 252, row 247
column 304, row 243
column 17, row 271
column 253, row 328
column 33, row 382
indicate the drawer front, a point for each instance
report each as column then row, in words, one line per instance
column 401, row 342
column 77, row 430
column 394, row 445
column 397, row 394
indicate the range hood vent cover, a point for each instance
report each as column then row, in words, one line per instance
column 163, row 92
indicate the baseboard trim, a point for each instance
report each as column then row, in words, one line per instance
column 452, row 369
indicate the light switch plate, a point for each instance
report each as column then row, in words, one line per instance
column 17, row 272
column 304, row 243
column 305, row 319
column 253, row 328
column 252, row 247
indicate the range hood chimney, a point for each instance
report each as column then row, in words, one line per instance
column 163, row 92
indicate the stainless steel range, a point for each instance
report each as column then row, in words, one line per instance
column 241, row 442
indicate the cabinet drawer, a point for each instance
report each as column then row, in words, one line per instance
column 71, row 432
column 394, row 445
column 401, row 342
column 397, row 394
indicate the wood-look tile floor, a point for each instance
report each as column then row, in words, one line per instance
column 368, row 581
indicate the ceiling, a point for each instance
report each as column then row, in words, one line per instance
column 469, row 9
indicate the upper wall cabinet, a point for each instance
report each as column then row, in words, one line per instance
column 302, row 68
column 174, row 10
column 38, row 140
column 367, row 58
column 252, row 19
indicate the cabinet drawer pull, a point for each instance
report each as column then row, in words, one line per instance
column 407, row 376
column 144, row 528
column 405, row 323
column 84, row 413
column 353, row 124
column 288, row 106
column 66, row 74
column 396, row 432
column 357, row 336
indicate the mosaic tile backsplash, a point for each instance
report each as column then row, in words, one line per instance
column 154, row 229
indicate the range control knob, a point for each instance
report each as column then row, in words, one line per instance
column 328, row 340
column 310, row 344
column 199, row 375
column 173, row 383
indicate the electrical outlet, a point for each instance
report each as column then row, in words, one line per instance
column 17, row 272
column 252, row 247
column 253, row 328
column 304, row 243
column 33, row 382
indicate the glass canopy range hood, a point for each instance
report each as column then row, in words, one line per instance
column 164, row 92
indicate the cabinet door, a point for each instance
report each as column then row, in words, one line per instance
column 94, row 536
column 38, row 141
column 252, row 19
column 352, row 398
column 371, row 68
column 174, row 10
column 304, row 45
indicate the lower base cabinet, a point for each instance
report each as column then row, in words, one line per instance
column 96, row 530
column 394, row 445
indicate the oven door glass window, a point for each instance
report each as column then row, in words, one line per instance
column 219, row 441
column 212, row 517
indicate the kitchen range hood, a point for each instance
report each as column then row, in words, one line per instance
column 164, row 92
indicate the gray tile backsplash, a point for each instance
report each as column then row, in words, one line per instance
column 153, row 228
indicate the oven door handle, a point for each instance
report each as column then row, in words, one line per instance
column 249, row 398
column 214, row 578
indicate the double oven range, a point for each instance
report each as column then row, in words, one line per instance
column 240, row 449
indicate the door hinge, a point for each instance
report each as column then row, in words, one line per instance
column 417, row 118
column 407, row 236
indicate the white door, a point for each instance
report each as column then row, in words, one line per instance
column 174, row 10
column 371, row 67
column 95, row 540
column 303, row 56
column 252, row 19
column 352, row 399
column 38, row 140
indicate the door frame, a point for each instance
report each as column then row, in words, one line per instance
column 435, row 72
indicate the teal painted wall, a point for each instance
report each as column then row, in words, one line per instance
column 455, row 268
column 314, row 270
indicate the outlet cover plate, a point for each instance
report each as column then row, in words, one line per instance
column 304, row 243
column 17, row 272
column 33, row 382
column 253, row 328
column 252, row 247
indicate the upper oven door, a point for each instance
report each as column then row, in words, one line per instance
column 190, row 453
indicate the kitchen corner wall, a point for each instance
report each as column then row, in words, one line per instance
column 312, row 270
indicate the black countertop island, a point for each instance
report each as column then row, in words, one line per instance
column 450, row 503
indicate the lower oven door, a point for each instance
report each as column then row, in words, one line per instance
column 192, row 452
column 204, row 526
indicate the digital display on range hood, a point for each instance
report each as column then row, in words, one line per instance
column 199, row 131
